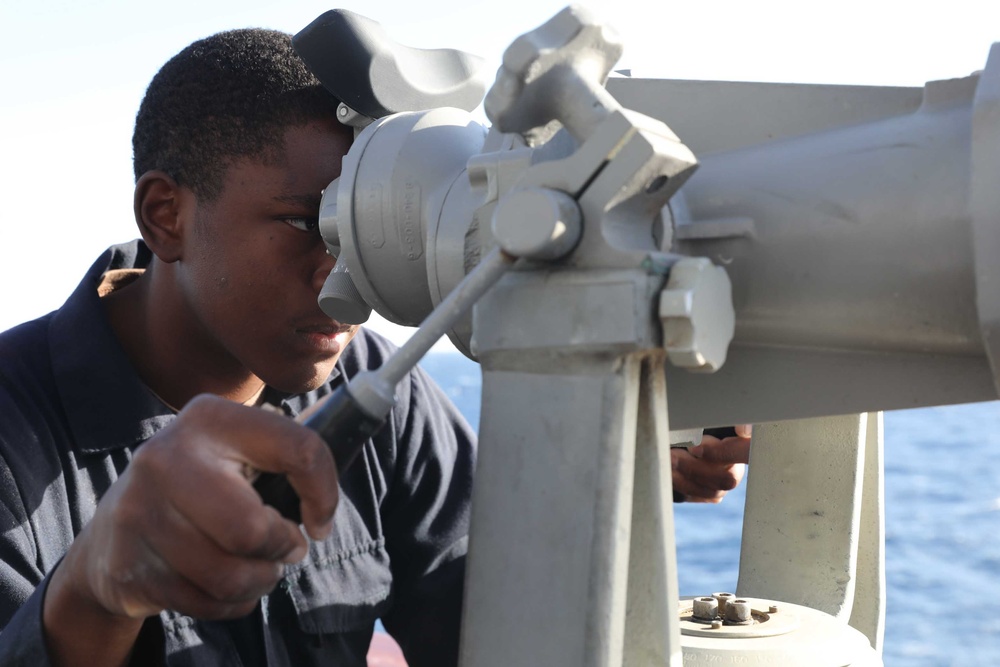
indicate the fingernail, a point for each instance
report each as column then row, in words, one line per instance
column 323, row 531
column 744, row 430
column 296, row 554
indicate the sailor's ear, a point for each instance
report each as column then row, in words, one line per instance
column 159, row 213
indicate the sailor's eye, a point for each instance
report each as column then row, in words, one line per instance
column 304, row 224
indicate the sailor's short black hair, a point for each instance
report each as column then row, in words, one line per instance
column 225, row 97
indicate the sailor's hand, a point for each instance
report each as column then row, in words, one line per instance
column 704, row 473
column 183, row 528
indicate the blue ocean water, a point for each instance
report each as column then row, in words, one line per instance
column 942, row 488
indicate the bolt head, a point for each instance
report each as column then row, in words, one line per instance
column 696, row 309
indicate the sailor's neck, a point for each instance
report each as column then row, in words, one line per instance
column 169, row 349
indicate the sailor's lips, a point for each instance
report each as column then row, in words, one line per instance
column 324, row 337
column 328, row 329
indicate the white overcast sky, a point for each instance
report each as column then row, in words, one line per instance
column 72, row 74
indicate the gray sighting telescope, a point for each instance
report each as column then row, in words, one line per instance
column 814, row 254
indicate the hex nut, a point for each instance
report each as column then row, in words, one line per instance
column 706, row 609
column 722, row 599
column 738, row 611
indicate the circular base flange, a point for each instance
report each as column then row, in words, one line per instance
column 765, row 624
column 790, row 636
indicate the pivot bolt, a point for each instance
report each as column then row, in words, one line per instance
column 537, row 224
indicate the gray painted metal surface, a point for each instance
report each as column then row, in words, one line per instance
column 858, row 230
column 847, row 220
column 547, row 574
column 812, row 530
column 985, row 204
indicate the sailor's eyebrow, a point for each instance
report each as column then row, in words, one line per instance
column 311, row 201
